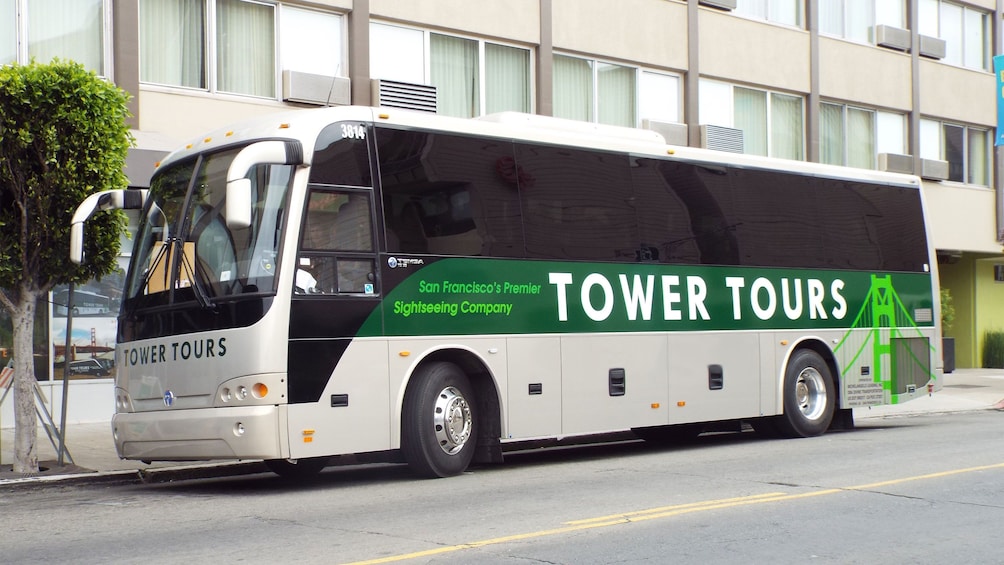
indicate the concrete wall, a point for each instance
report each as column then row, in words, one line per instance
column 644, row 32
column 754, row 52
column 962, row 217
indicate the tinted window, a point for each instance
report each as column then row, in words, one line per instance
column 734, row 216
column 577, row 204
column 341, row 156
column 449, row 194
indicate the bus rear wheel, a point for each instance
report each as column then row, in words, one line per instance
column 439, row 421
column 809, row 396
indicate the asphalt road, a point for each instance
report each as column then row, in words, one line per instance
column 918, row 489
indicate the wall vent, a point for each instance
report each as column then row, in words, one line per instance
column 393, row 94
column 307, row 88
column 892, row 37
column 932, row 47
column 674, row 133
column 721, row 138
column 895, row 163
column 933, row 169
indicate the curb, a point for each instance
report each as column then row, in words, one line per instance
column 142, row 476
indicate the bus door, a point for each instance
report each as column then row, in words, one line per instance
column 337, row 251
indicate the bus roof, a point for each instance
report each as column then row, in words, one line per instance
column 306, row 125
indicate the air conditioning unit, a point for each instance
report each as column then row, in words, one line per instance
column 307, row 88
column 720, row 4
column 892, row 37
column 933, row 169
column 674, row 133
column 932, row 47
column 721, row 138
column 895, row 163
column 393, row 94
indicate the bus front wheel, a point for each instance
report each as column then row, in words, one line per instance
column 439, row 422
column 809, row 396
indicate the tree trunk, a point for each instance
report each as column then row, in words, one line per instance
column 25, row 419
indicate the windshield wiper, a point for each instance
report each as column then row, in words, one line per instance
column 154, row 265
column 201, row 295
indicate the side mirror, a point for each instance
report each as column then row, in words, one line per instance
column 238, row 208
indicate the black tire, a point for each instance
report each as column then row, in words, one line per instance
column 809, row 396
column 439, row 421
column 297, row 468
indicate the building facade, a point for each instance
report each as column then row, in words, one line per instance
column 900, row 85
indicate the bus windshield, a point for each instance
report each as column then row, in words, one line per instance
column 184, row 249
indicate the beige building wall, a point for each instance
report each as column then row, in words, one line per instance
column 955, row 93
column 962, row 217
column 182, row 116
column 753, row 52
column 513, row 20
column 647, row 33
column 873, row 77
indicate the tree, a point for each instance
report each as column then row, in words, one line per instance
column 63, row 136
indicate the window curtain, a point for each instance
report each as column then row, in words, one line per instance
column 979, row 157
column 831, row 17
column 68, row 30
column 786, row 12
column 752, row 8
column 975, row 39
column 751, row 117
column 786, row 126
column 950, row 29
column 860, row 18
column 454, row 73
column 507, row 79
column 573, row 88
column 245, row 44
column 831, row 134
column 617, row 95
column 860, row 138
column 8, row 32
column 172, row 42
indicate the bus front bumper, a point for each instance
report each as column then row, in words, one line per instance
column 201, row 434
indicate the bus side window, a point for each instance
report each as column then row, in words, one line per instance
column 337, row 244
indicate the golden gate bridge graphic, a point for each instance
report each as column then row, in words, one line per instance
column 901, row 354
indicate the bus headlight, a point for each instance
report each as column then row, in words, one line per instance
column 225, row 394
column 242, row 392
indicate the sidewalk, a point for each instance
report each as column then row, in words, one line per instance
column 93, row 452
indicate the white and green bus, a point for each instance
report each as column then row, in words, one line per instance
column 372, row 281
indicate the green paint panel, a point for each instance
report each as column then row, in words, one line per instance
column 459, row 296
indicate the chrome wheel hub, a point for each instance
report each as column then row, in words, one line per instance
column 452, row 420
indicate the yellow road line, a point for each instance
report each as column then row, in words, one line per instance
column 667, row 511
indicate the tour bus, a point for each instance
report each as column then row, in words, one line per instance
column 382, row 282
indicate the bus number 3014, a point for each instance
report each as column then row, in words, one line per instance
column 353, row 131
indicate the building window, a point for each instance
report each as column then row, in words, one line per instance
column 855, row 136
column 472, row 77
column 606, row 93
column 41, row 30
column 967, row 149
column 786, row 12
column 772, row 123
column 311, row 42
column 855, row 19
column 966, row 32
column 230, row 45
column 659, row 97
